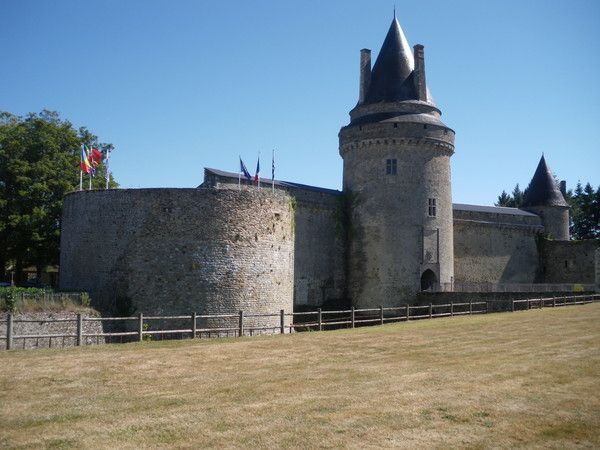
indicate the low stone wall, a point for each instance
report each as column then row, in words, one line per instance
column 496, row 301
column 40, row 323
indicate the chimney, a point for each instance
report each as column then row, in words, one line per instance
column 419, row 73
column 365, row 74
column 563, row 188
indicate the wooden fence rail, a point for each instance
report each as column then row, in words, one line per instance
column 324, row 320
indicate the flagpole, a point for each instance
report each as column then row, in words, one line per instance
column 273, row 172
column 106, row 168
column 80, row 179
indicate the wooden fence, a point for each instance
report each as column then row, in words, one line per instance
column 318, row 320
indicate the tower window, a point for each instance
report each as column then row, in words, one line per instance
column 432, row 207
column 391, row 167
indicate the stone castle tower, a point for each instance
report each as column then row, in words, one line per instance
column 547, row 201
column 396, row 154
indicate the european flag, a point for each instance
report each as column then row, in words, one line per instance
column 243, row 169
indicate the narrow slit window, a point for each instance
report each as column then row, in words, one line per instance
column 432, row 207
column 391, row 167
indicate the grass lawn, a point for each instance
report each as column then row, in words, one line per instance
column 528, row 378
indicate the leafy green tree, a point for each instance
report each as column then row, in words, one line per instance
column 39, row 164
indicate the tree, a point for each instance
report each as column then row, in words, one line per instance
column 504, row 199
column 513, row 201
column 39, row 164
column 585, row 212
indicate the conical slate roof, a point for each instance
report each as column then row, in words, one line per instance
column 542, row 190
column 391, row 78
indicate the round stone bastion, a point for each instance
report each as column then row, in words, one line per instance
column 179, row 251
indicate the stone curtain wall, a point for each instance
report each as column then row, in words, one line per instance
column 495, row 247
column 320, row 249
column 319, row 264
column 175, row 251
column 39, row 327
column 571, row 261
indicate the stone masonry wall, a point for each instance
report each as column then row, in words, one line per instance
column 571, row 261
column 175, row 251
column 319, row 270
column 393, row 238
column 495, row 248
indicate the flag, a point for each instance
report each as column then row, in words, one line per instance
column 90, row 163
column 243, row 170
column 257, row 175
column 96, row 157
column 273, row 166
column 85, row 162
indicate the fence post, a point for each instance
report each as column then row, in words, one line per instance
column 194, row 326
column 431, row 311
column 407, row 312
column 553, row 301
column 352, row 317
column 512, row 307
column 528, row 304
column 381, row 314
column 282, row 321
column 541, row 302
column 79, row 329
column 320, row 319
column 241, row 324
column 9, row 331
column 471, row 307
column 451, row 309
column 141, row 327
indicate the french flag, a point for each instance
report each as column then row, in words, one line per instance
column 257, row 175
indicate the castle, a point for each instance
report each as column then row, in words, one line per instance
column 392, row 232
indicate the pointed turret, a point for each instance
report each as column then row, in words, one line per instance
column 544, row 198
column 543, row 190
column 391, row 78
column 396, row 153
column 396, row 84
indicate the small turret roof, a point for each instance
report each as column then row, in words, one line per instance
column 542, row 190
column 392, row 78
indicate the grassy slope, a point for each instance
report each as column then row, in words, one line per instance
column 512, row 379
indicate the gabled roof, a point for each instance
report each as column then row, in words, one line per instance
column 542, row 190
column 392, row 75
column 491, row 209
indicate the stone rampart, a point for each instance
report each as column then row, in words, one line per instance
column 571, row 261
column 319, row 263
column 175, row 251
column 495, row 247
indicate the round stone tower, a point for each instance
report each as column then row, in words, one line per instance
column 396, row 153
column 545, row 199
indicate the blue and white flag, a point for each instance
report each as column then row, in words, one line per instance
column 243, row 170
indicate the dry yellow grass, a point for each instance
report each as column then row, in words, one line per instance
column 515, row 379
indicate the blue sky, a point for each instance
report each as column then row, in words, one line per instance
column 178, row 85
